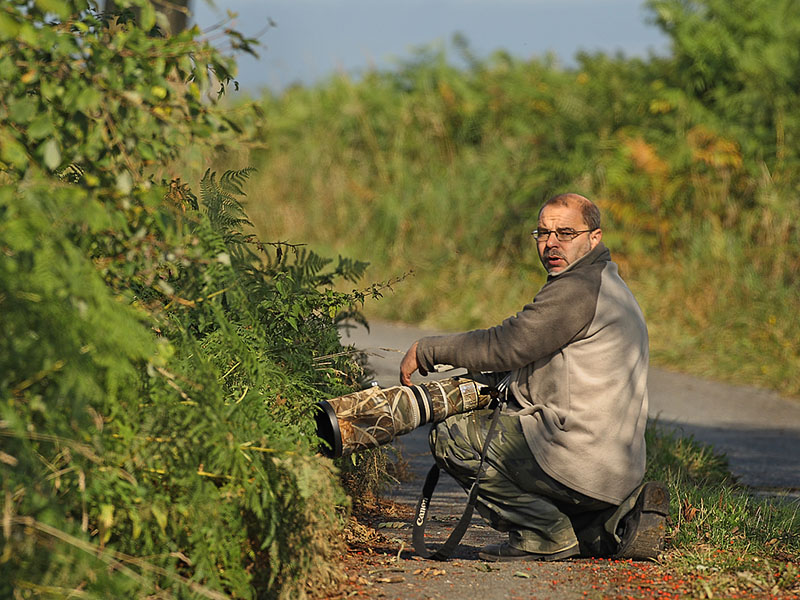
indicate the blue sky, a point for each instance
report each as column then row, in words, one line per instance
column 314, row 38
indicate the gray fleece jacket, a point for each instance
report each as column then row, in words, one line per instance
column 578, row 356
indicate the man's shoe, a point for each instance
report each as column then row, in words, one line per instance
column 645, row 527
column 504, row 552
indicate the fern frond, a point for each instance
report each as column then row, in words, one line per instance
column 233, row 180
column 72, row 173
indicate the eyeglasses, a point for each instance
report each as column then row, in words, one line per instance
column 563, row 234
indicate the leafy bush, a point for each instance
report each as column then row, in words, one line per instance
column 158, row 364
column 160, row 407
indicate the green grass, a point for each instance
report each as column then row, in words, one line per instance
column 718, row 528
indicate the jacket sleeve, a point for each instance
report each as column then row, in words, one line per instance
column 563, row 308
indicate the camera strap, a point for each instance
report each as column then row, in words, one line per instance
column 423, row 504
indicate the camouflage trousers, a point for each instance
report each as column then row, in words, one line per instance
column 516, row 496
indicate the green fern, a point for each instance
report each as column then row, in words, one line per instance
column 223, row 209
column 72, row 173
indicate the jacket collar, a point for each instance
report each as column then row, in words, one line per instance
column 598, row 254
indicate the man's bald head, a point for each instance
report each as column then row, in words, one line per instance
column 588, row 209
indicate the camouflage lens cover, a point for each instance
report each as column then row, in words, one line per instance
column 375, row 416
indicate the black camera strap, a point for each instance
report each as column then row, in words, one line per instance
column 424, row 502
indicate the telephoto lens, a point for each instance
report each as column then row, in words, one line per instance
column 375, row 416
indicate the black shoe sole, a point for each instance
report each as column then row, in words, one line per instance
column 647, row 527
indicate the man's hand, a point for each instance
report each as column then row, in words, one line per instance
column 409, row 364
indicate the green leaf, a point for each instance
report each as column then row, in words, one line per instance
column 160, row 515
column 22, row 110
column 8, row 69
column 51, row 154
column 136, row 524
column 12, row 152
column 28, row 34
column 107, row 515
column 88, row 99
column 40, row 127
column 148, row 16
column 106, row 520
column 9, row 28
column 57, row 7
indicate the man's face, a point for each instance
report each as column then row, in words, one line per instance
column 555, row 254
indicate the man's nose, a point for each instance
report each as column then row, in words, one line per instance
column 552, row 240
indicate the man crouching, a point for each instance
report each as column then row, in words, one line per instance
column 563, row 475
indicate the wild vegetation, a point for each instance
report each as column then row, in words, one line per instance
column 158, row 364
column 724, row 540
column 158, row 359
column 440, row 171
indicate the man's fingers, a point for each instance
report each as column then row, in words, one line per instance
column 408, row 365
column 405, row 375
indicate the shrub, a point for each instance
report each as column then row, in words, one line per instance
column 157, row 363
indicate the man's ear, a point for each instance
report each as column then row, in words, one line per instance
column 595, row 237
